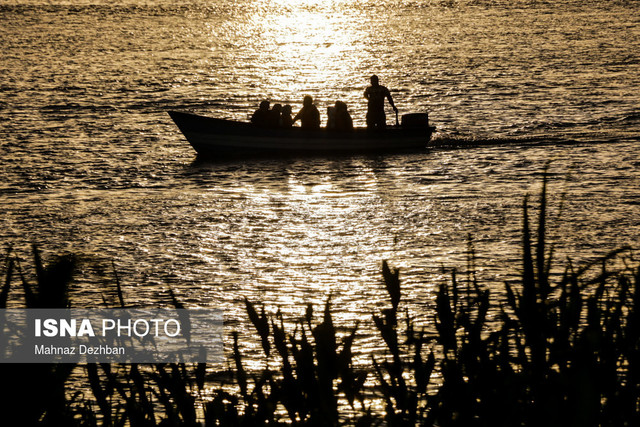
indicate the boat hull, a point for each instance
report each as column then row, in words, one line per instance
column 213, row 137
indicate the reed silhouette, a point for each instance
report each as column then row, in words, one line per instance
column 553, row 350
column 35, row 394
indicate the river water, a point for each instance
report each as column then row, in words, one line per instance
column 92, row 164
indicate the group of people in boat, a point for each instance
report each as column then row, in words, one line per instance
column 338, row 116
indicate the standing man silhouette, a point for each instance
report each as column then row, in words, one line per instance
column 375, row 94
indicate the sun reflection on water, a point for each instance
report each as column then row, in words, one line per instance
column 308, row 46
column 310, row 218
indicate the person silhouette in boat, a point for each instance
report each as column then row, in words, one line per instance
column 309, row 115
column 261, row 116
column 342, row 119
column 275, row 118
column 376, row 94
column 286, row 121
column 331, row 118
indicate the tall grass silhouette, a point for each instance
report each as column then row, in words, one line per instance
column 34, row 394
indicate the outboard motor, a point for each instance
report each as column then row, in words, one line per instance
column 415, row 121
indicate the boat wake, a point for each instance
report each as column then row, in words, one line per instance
column 560, row 138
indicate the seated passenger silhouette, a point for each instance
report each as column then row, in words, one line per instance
column 261, row 116
column 376, row 95
column 331, row 118
column 342, row 119
column 309, row 115
column 285, row 117
column 274, row 116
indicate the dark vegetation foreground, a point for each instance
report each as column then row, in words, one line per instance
column 559, row 350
